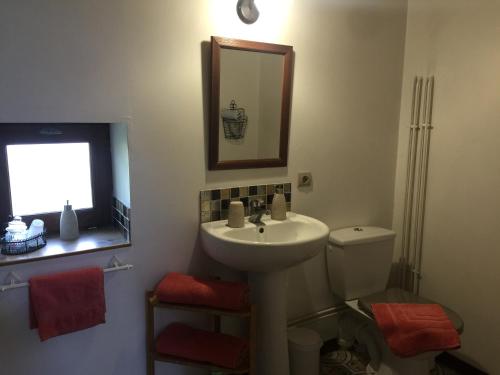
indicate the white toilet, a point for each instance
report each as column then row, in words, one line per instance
column 359, row 261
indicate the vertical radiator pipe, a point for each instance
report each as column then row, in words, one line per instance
column 416, row 243
column 409, row 185
column 410, row 178
column 402, row 259
column 425, row 167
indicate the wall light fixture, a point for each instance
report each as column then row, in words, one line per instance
column 247, row 11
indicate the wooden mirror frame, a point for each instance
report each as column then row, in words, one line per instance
column 244, row 45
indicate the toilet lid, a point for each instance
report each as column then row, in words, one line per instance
column 395, row 295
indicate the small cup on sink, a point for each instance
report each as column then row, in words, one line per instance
column 236, row 215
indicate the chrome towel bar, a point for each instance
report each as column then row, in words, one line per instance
column 13, row 281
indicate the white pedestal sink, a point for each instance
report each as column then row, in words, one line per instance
column 266, row 252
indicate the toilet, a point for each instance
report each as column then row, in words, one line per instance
column 359, row 261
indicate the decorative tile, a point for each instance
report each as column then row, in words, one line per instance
column 244, row 191
column 245, row 201
column 120, row 216
column 205, row 206
column 225, row 194
column 270, row 198
column 205, row 217
column 205, row 195
column 215, row 195
column 214, row 204
column 224, row 204
column 235, row 192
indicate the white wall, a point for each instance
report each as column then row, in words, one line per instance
column 142, row 62
column 458, row 41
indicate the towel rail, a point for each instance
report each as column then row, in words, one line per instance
column 15, row 282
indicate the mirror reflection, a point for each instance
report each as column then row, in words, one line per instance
column 250, row 101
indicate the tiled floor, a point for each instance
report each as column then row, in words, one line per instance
column 352, row 362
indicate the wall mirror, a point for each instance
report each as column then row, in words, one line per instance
column 250, row 104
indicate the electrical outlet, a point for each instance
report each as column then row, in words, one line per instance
column 305, row 179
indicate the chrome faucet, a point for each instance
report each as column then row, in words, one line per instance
column 257, row 209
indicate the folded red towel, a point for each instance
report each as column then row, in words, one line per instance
column 185, row 289
column 182, row 341
column 67, row 302
column 411, row 329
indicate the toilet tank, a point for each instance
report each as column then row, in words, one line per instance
column 359, row 261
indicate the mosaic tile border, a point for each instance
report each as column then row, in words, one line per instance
column 121, row 217
column 214, row 204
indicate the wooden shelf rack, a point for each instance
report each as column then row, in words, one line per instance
column 152, row 302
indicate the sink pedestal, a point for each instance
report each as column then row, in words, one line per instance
column 269, row 292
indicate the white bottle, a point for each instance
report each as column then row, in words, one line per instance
column 278, row 208
column 68, row 226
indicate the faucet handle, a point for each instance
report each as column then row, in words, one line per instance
column 257, row 203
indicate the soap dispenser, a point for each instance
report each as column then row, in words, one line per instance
column 68, row 226
column 278, row 207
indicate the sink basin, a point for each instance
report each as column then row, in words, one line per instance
column 272, row 247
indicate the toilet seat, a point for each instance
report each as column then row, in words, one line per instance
column 395, row 295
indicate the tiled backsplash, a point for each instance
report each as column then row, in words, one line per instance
column 121, row 218
column 214, row 204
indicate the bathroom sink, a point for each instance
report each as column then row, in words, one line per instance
column 272, row 247
column 266, row 252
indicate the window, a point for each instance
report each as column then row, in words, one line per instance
column 42, row 166
column 70, row 180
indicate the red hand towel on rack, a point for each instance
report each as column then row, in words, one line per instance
column 411, row 329
column 67, row 302
column 189, row 290
column 180, row 340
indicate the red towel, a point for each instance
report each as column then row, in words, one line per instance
column 189, row 290
column 67, row 302
column 411, row 329
column 180, row 340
